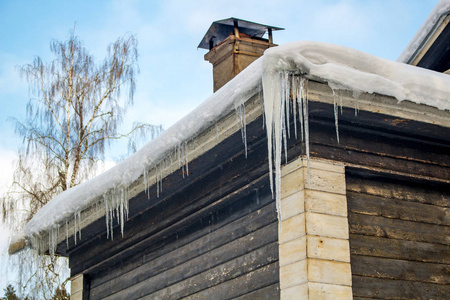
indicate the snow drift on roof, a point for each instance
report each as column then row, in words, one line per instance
column 353, row 70
column 340, row 67
column 425, row 31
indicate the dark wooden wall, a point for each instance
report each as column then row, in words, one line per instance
column 232, row 252
column 399, row 224
column 212, row 235
column 399, row 237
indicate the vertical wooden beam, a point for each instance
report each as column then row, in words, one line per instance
column 79, row 288
column 313, row 238
column 76, row 287
column 270, row 35
column 236, row 28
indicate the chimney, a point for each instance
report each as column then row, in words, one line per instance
column 234, row 44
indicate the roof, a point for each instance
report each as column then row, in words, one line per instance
column 339, row 67
column 220, row 30
column 427, row 34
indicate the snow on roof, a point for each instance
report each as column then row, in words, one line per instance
column 340, row 67
column 421, row 37
column 350, row 69
column 128, row 171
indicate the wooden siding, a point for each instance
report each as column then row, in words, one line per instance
column 399, row 237
column 227, row 254
column 213, row 234
column 210, row 235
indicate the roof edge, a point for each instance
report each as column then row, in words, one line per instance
column 425, row 32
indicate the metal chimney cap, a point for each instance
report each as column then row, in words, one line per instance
column 220, row 30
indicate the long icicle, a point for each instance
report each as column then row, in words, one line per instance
column 336, row 114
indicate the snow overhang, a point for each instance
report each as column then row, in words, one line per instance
column 383, row 86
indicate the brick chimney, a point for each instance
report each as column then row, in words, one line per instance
column 234, row 44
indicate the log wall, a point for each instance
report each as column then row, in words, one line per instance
column 212, row 235
column 399, row 237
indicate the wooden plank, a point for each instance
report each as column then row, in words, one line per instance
column 235, row 220
column 221, row 273
column 387, row 143
column 380, row 151
column 371, row 119
column 381, row 288
column 191, row 259
column 238, row 286
column 267, row 293
column 397, row 209
column 407, row 189
column 399, row 249
column 378, row 160
column 398, row 229
column 400, row 269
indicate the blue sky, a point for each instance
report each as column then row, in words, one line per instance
column 174, row 77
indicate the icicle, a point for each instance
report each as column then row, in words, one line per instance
column 244, row 128
column 111, row 230
column 300, row 97
column 186, row 158
column 79, row 225
column 294, row 102
column 106, row 215
column 161, row 177
column 75, row 227
column 272, row 85
column 240, row 115
column 261, row 97
column 127, row 191
column 145, row 183
column 52, row 241
column 283, row 115
column 177, row 150
column 287, row 96
column 336, row 113
column 182, row 158
column 157, row 181
column 67, row 233
column 306, row 123
column 122, row 219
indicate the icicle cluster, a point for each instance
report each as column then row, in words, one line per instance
column 285, row 95
column 180, row 154
column 116, row 206
column 115, row 202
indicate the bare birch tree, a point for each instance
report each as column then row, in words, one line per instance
column 76, row 108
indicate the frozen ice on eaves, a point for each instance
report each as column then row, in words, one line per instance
column 338, row 66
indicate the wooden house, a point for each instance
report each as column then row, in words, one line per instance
column 363, row 195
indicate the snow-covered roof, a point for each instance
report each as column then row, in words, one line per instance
column 420, row 39
column 340, row 67
column 350, row 69
column 82, row 196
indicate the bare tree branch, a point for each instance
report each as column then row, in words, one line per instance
column 74, row 113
